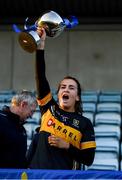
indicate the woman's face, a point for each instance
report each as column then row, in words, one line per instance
column 68, row 95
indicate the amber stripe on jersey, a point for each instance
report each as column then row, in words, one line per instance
column 45, row 100
column 86, row 145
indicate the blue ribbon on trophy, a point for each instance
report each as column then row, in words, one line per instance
column 51, row 22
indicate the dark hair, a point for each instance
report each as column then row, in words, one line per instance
column 78, row 104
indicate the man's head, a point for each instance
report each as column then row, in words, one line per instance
column 23, row 104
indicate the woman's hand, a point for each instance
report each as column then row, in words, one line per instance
column 58, row 142
column 42, row 34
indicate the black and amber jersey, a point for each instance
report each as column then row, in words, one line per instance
column 70, row 126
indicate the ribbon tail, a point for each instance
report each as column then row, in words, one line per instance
column 72, row 23
column 16, row 29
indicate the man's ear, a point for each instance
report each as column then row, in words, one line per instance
column 24, row 104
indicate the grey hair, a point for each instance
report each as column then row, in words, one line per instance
column 26, row 96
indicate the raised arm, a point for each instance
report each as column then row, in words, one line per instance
column 43, row 88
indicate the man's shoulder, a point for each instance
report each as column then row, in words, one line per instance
column 3, row 119
column 2, row 114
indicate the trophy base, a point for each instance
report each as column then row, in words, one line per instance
column 27, row 42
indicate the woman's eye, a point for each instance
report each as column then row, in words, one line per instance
column 62, row 87
column 71, row 88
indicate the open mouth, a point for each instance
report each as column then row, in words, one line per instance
column 65, row 97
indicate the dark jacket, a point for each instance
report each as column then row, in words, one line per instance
column 13, row 141
column 32, row 148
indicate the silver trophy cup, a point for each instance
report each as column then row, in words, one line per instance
column 50, row 21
